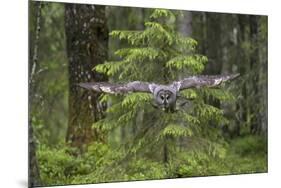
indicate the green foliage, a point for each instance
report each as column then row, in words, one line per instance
column 158, row 13
column 49, row 99
column 253, row 158
column 251, row 144
column 138, row 133
column 40, row 133
column 58, row 166
column 194, row 63
column 160, row 54
column 62, row 165
column 176, row 130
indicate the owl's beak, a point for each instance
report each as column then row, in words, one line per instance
column 165, row 102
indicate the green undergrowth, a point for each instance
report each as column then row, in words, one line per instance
column 101, row 163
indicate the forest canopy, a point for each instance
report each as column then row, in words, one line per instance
column 79, row 136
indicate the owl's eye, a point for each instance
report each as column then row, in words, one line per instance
column 167, row 97
column 162, row 97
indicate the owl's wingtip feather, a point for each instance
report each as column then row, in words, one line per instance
column 84, row 85
column 233, row 76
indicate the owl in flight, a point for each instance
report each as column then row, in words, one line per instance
column 165, row 96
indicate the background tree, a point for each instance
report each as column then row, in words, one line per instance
column 87, row 37
column 230, row 42
column 33, row 168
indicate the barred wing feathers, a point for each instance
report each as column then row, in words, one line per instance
column 203, row 81
column 111, row 88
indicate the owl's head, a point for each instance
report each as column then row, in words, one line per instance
column 165, row 98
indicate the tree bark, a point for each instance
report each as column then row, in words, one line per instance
column 242, row 106
column 33, row 168
column 254, row 63
column 86, row 40
column 185, row 24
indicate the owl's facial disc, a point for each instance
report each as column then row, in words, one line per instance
column 165, row 97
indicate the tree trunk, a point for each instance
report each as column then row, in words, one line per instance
column 86, row 40
column 254, row 64
column 33, row 168
column 242, row 107
column 213, row 40
column 185, row 24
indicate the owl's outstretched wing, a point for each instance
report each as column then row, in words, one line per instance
column 203, row 81
column 106, row 87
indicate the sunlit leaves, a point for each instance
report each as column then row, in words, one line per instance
column 162, row 13
column 110, row 68
column 191, row 120
column 176, row 131
column 185, row 43
column 133, row 37
column 157, row 35
column 135, row 55
column 189, row 93
column 219, row 94
column 208, row 112
column 158, row 32
column 194, row 63
column 136, row 98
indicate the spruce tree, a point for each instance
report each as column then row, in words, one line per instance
column 160, row 54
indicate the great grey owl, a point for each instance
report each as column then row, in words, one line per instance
column 165, row 96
